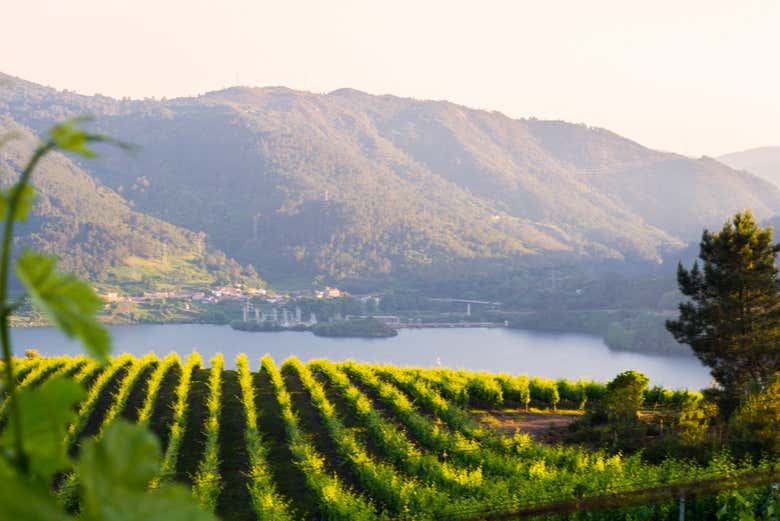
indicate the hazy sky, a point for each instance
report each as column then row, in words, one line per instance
column 696, row 77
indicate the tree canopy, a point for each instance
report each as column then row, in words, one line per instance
column 732, row 317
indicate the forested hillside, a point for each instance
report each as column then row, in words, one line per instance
column 348, row 185
column 96, row 232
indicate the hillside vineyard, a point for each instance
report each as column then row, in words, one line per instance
column 346, row 440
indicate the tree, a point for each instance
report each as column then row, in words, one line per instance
column 626, row 394
column 732, row 320
column 756, row 425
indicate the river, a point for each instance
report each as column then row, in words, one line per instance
column 513, row 351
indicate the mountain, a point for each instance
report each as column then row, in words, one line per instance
column 97, row 234
column 347, row 185
column 763, row 162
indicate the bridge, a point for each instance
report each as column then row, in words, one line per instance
column 465, row 301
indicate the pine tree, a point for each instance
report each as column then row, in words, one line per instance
column 732, row 320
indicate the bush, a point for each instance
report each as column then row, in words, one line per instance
column 516, row 389
column 755, row 427
column 626, row 394
column 595, row 391
column 545, row 391
column 694, row 419
column 483, row 389
column 573, row 392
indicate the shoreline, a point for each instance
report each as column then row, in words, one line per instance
column 412, row 327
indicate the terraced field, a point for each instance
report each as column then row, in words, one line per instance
column 347, row 441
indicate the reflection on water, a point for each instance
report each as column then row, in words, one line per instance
column 513, row 351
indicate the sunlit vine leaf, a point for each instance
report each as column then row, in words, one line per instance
column 115, row 473
column 48, row 410
column 68, row 302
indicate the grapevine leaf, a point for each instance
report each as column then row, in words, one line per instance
column 115, row 473
column 69, row 138
column 67, row 301
column 23, row 500
column 26, row 199
column 48, row 410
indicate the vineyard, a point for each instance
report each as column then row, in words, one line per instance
column 349, row 441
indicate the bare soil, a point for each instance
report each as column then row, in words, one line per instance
column 542, row 426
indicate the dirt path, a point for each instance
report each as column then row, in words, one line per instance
column 540, row 425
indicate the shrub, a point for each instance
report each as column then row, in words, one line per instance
column 626, row 394
column 756, row 425
column 545, row 391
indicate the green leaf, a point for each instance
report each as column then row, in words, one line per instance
column 69, row 138
column 26, row 199
column 115, row 473
column 23, row 500
column 47, row 412
column 67, row 301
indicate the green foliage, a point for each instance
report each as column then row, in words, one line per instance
column 50, row 368
column 116, row 472
column 483, row 388
column 626, row 394
column 207, row 482
column 575, row 393
column 393, row 489
column 366, row 328
column 338, row 502
column 545, row 392
column 694, row 419
column 755, row 426
column 155, row 381
column 67, row 301
column 87, row 405
column 48, row 410
column 732, row 320
column 516, row 388
column 411, row 451
column 26, row 198
column 125, row 388
column 267, row 503
column 179, row 422
column 394, row 442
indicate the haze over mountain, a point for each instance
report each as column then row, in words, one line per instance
column 96, row 233
column 348, row 184
column 763, row 162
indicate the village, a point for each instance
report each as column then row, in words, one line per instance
column 259, row 309
column 221, row 294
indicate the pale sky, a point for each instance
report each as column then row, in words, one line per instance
column 690, row 76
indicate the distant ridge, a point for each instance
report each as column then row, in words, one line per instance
column 348, row 184
column 763, row 162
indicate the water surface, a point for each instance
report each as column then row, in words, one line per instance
column 506, row 350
